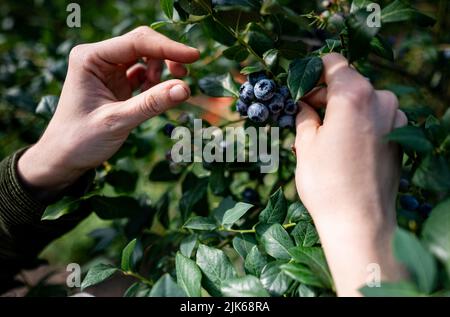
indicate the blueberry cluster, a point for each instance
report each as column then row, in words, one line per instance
column 410, row 202
column 261, row 99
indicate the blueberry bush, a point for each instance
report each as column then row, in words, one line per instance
column 223, row 228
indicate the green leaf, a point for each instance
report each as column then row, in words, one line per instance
column 195, row 7
column 189, row 276
column 241, row 5
column 219, row 86
column 303, row 75
column 159, row 24
column 226, row 204
column 217, row 32
column 62, row 207
column 251, row 69
column 137, row 289
column 397, row 289
column 275, row 281
column 200, row 223
column 188, row 245
column 421, row 264
column 360, row 34
column 255, row 261
column 216, row 268
column 234, row 214
column 247, row 286
column 258, row 38
column 167, row 8
column 276, row 209
column 302, row 274
column 297, row 212
column 276, row 242
column 381, row 47
column 411, row 138
column 98, row 274
column 433, row 173
column 243, row 244
column 270, row 57
column 314, row 259
column 236, row 53
column 359, row 4
column 127, row 256
column 306, row 291
column 161, row 173
column 436, row 233
column 114, row 207
column 47, row 106
column 400, row 10
column 166, row 287
column 305, row 234
column 193, row 195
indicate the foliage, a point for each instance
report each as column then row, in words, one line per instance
column 189, row 231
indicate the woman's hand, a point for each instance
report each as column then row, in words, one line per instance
column 96, row 111
column 347, row 176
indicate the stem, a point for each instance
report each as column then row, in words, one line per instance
column 140, row 278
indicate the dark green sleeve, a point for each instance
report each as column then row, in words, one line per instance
column 22, row 233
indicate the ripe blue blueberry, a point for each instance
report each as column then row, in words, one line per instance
column 290, row 107
column 403, row 186
column 286, row 121
column 274, row 117
column 241, row 107
column 168, row 128
column 409, row 202
column 425, row 209
column 246, row 92
column 276, row 104
column 264, row 89
column 253, row 78
column 250, row 195
column 284, row 91
column 258, row 112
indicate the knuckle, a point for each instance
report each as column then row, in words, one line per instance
column 151, row 106
column 81, row 54
column 363, row 90
column 140, row 31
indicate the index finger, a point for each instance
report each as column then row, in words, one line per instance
column 144, row 42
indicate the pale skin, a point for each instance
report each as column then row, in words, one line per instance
column 346, row 176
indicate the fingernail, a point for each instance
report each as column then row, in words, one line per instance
column 178, row 93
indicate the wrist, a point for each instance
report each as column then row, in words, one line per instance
column 42, row 172
column 356, row 246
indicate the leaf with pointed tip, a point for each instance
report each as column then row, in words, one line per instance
column 166, row 287
column 216, row 268
column 127, row 256
column 276, row 241
column 276, row 209
column 98, row 274
column 189, row 276
column 255, row 261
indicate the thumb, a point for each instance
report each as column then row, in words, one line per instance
column 307, row 122
column 154, row 101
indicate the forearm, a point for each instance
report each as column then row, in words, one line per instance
column 355, row 249
column 22, row 233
